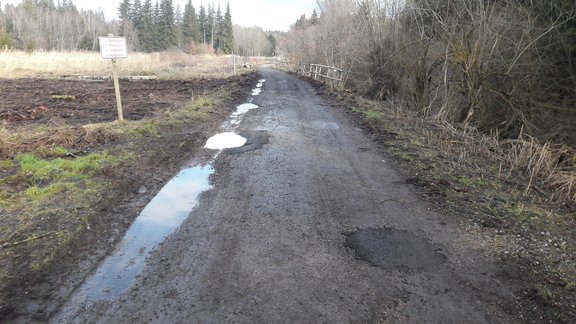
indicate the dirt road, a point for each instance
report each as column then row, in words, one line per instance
column 312, row 227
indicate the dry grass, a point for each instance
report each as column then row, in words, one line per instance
column 17, row 64
column 551, row 168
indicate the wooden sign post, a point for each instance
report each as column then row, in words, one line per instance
column 113, row 48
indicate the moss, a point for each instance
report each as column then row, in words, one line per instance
column 6, row 165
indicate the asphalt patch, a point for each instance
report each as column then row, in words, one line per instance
column 254, row 140
column 394, row 249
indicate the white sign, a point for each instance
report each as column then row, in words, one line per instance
column 113, row 48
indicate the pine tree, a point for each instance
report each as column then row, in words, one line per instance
column 123, row 14
column 210, row 19
column 217, row 30
column 314, row 19
column 166, row 25
column 227, row 32
column 190, row 25
column 203, row 22
column 136, row 19
column 147, row 27
column 178, row 26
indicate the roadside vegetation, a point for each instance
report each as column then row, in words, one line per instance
column 466, row 174
column 476, row 101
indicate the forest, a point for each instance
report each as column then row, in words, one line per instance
column 43, row 25
column 505, row 67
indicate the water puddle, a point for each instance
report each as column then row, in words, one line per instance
column 167, row 210
column 158, row 219
column 225, row 140
column 244, row 108
column 236, row 116
column 256, row 92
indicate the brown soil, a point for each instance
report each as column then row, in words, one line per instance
column 32, row 101
column 26, row 104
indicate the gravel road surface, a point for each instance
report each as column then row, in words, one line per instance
column 309, row 223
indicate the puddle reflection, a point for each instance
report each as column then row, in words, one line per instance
column 158, row 219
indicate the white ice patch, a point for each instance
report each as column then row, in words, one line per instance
column 262, row 80
column 259, row 85
column 244, row 108
column 225, row 140
column 256, row 92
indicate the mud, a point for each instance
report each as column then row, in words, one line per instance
column 30, row 101
column 265, row 245
column 34, row 297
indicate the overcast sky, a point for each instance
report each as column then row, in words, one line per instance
column 268, row 14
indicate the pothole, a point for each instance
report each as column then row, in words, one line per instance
column 394, row 249
column 225, row 140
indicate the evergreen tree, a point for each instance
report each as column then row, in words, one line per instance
column 147, row 28
column 217, row 30
column 190, row 25
column 178, row 26
column 136, row 20
column 123, row 14
column 227, row 32
column 314, row 19
column 166, row 25
column 210, row 19
column 203, row 23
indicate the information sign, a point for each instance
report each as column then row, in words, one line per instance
column 113, row 48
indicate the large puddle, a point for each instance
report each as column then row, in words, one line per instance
column 158, row 219
column 167, row 210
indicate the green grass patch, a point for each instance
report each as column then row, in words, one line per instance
column 36, row 170
column 147, row 128
column 373, row 114
column 6, row 165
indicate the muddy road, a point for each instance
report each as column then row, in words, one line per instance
column 309, row 223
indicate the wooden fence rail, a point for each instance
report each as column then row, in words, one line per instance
column 329, row 74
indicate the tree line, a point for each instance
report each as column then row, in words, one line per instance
column 504, row 66
column 147, row 26
column 43, row 25
column 155, row 27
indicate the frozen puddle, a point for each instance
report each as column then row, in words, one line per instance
column 256, row 92
column 225, row 140
column 158, row 219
